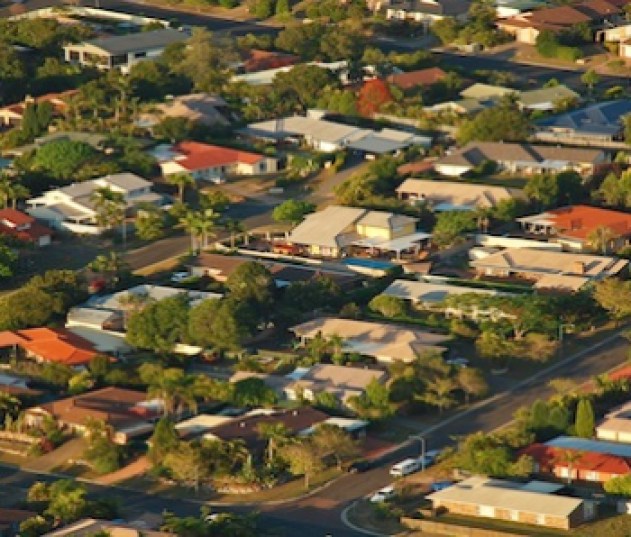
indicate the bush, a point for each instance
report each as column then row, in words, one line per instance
column 388, row 306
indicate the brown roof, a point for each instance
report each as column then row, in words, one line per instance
column 422, row 77
column 562, row 15
column 9, row 517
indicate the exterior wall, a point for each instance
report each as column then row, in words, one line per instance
column 625, row 50
column 614, row 436
column 374, row 232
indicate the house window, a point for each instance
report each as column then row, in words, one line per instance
column 74, row 56
column 591, row 476
column 142, row 54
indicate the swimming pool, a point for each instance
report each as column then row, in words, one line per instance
column 376, row 264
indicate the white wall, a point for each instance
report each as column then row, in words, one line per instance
column 511, row 242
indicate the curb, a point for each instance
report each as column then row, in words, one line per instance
column 349, row 524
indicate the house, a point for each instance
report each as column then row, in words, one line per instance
column 510, row 8
column 531, row 503
column 421, row 78
column 334, row 230
column 382, row 341
column 211, row 162
column 486, row 92
column 71, row 208
column 11, row 115
column 442, row 196
column 257, row 60
column 329, row 136
column 549, row 269
column 16, row 386
column 521, row 158
column 202, row 108
column 94, row 140
column 546, row 99
column 588, row 445
column 128, row 413
column 122, row 51
column 266, row 77
column 573, row 227
column 597, row 123
column 616, row 425
column 584, row 465
column 50, row 345
column 10, row 520
column 425, row 11
column 88, row 527
column 23, row 227
column 340, row 381
column 199, row 425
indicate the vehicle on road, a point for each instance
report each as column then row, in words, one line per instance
column 430, row 457
column 440, row 485
column 405, row 467
column 360, row 466
column 383, row 495
column 178, row 277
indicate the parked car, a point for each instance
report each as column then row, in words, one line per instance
column 178, row 277
column 458, row 362
column 405, row 467
column 440, row 485
column 430, row 457
column 383, row 495
column 359, row 466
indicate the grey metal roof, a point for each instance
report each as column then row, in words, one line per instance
column 598, row 118
column 122, row 44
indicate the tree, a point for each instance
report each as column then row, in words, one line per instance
column 570, row 457
column 446, row 29
column 252, row 282
column 253, row 392
column 331, row 440
column 180, row 180
column 149, row 223
column 282, row 7
column 303, row 459
column 203, row 61
column 374, row 403
column 102, row 453
column 388, row 306
column 276, row 434
column 372, row 96
column 619, row 485
column 451, row 227
column 602, row 238
column 187, row 464
column 67, row 500
column 174, row 388
column 110, row 207
column 615, row 191
column 163, row 440
column 585, row 420
column 112, row 266
column 191, row 223
column 62, row 158
column 504, row 122
column 590, row 78
column 439, row 393
column 292, row 211
column 9, row 405
column 614, row 296
column 472, row 383
column 303, row 84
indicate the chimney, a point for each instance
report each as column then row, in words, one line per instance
column 579, row 267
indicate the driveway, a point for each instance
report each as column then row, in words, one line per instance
column 71, row 450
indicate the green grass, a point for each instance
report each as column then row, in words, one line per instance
column 502, row 525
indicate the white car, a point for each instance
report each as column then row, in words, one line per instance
column 406, row 467
column 178, row 277
column 383, row 495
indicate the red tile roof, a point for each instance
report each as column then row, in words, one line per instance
column 422, row 77
column 550, row 457
column 30, row 231
column 578, row 221
column 198, row 156
column 260, row 60
column 16, row 217
column 51, row 345
column 58, row 100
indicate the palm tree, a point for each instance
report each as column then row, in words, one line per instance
column 602, row 238
column 9, row 405
column 207, row 220
column 110, row 208
column 19, row 192
column 275, row 433
column 192, row 224
column 6, row 189
column 570, row 457
column 336, row 343
column 112, row 265
column 181, row 181
column 234, row 227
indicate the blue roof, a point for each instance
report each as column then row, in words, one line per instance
column 598, row 118
column 595, row 446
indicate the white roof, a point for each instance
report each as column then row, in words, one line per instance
column 326, row 227
column 200, row 424
column 419, row 291
column 506, row 495
column 348, row 424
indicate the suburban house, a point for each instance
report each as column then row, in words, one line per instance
column 442, row 196
column 94, row 140
column 616, row 425
column 593, row 13
column 520, row 158
column 72, row 208
column 49, row 345
column 341, row 381
column 429, row 295
column 546, row 99
column 382, row 341
column 128, row 413
column 88, row 527
column 10, row 520
column 122, row 51
column 585, row 466
column 336, row 230
column 574, row 227
column 256, row 60
column 11, row 115
column 17, row 386
column 598, row 123
column 219, row 267
column 549, row 269
column 529, row 503
column 201, row 108
column 23, row 227
column 421, row 78
column 425, row 11
column 329, row 136
column 510, row 8
column 586, row 445
column 211, row 162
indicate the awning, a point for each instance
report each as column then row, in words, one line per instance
column 395, row 245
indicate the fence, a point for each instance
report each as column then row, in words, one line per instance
column 441, row 528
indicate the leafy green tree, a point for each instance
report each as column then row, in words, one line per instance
column 446, row 29
column 374, row 403
column 150, row 223
column 67, row 500
column 163, row 440
column 252, row 282
column 585, row 419
column 282, row 7
column 63, row 158
column 187, row 464
column 181, row 181
column 110, row 207
column 614, row 296
column 504, row 122
column 102, row 453
column 276, row 434
column 388, row 306
column 303, row 459
column 590, row 78
column 619, row 485
column 303, row 84
column 331, row 440
column 451, row 226
column 292, row 211
column 253, row 392
column 472, row 383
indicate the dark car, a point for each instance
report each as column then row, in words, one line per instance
column 360, row 466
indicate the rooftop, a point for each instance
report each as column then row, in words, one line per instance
column 550, row 456
column 198, row 156
column 345, row 377
column 596, row 446
column 420, row 77
column 430, row 292
column 122, row 44
column 326, row 227
column 598, row 118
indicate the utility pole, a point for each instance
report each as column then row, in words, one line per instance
column 421, row 439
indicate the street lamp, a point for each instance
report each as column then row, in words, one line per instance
column 421, row 439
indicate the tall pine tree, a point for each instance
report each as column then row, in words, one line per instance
column 585, row 419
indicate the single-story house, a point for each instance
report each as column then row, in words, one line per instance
column 200, row 424
column 425, row 11
column 10, row 520
column 530, row 503
column 12, row 115
column 549, row 269
column 421, row 78
column 597, row 123
column 618, row 449
column 616, row 425
column 122, row 51
column 93, row 139
column 56, row 345
column 127, row 412
column 510, row 8
column 335, row 229
column 24, row 227
column 574, row 226
column 88, row 527
column 341, row 381
column 382, row 341
column 584, row 465
column 546, row 99
column 521, row 158
column 487, row 92
column 201, row 108
column 442, row 196
column 210, row 162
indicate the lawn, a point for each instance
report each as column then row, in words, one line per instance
column 615, row 526
column 368, row 516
